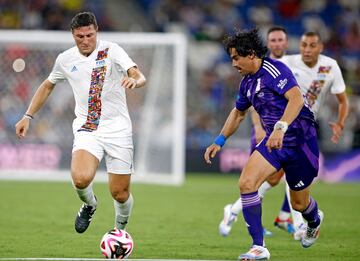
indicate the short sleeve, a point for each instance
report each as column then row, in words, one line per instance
column 242, row 102
column 57, row 73
column 338, row 85
column 121, row 58
column 284, row 82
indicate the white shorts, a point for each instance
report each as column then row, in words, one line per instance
column 118, row 151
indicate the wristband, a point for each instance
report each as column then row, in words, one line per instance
column 220, row 140
column 28, row 116
column 281, row 125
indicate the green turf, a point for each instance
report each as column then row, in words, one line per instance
column 36, row 220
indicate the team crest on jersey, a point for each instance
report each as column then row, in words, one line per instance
column 102, row 54
column 324, row 69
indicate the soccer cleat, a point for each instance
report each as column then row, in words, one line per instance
column 285, row 224
column 312, row 234
column 83, row 218
column 299, row 232
column 256, row 253
column 227, row 222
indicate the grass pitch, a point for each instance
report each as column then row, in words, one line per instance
column 37, row 220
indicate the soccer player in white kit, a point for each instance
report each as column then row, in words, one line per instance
column 316, row 75
column 98, row 72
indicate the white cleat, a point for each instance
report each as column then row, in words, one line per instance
column 228, row 220
column 300, row 232
column 255, row 253
column 312, row 234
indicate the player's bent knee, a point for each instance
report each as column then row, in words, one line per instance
column 274, row 179
column 298, row 205
column 81, row 181
column 120, row 195
column 247, row 185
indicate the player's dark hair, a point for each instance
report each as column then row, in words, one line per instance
column 311, row 34
column 277, row 28
column 83, row 19
column 246, row 43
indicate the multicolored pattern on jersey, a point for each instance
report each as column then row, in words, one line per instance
column 94, row 102
column 317, row 85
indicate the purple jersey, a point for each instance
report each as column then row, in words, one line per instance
column 265, row 91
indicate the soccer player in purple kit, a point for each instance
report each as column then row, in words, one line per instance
column 290, row 142
column 277, row 44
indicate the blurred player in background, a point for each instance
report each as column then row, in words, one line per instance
column 98, row 72
column 277, row 43
column 317, row 74
column 290, row 142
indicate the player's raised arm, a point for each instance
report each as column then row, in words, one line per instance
column 231, row 125
column 38, row 100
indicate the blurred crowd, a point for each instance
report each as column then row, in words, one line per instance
column 212, row 82
column 47, row 14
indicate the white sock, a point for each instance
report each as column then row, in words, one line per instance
column 296, row 215
column 87, row 195
column 284, row 215
column 236, row 208
column 122, row 212
column 264, row 188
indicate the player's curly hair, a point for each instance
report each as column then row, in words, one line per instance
column 246, row 43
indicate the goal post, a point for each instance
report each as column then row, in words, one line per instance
column 157, row 110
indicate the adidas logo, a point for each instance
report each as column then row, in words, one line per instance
column 300, row 184
column 74, row 69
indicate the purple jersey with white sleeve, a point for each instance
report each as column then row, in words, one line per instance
column 265, row 91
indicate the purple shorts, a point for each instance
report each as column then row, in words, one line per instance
column 300, row 163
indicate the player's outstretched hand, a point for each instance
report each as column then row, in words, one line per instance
column 336, row 130
column 128, row 82
column 211, row 152
column 275, row 140
column 22, row 127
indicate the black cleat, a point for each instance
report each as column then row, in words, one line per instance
column 83, row 218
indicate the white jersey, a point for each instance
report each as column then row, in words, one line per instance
column 315, row 82
column 95, row 80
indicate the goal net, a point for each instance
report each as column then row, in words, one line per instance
column 157, row 111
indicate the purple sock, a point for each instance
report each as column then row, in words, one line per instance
column 252, row 214
column 310, row 214
column 285, row 206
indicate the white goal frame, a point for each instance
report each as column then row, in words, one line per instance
column 179, row 42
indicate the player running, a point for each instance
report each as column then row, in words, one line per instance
column 290, row 143
column 98, row 72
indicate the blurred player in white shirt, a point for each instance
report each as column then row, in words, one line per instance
column 98, row 72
